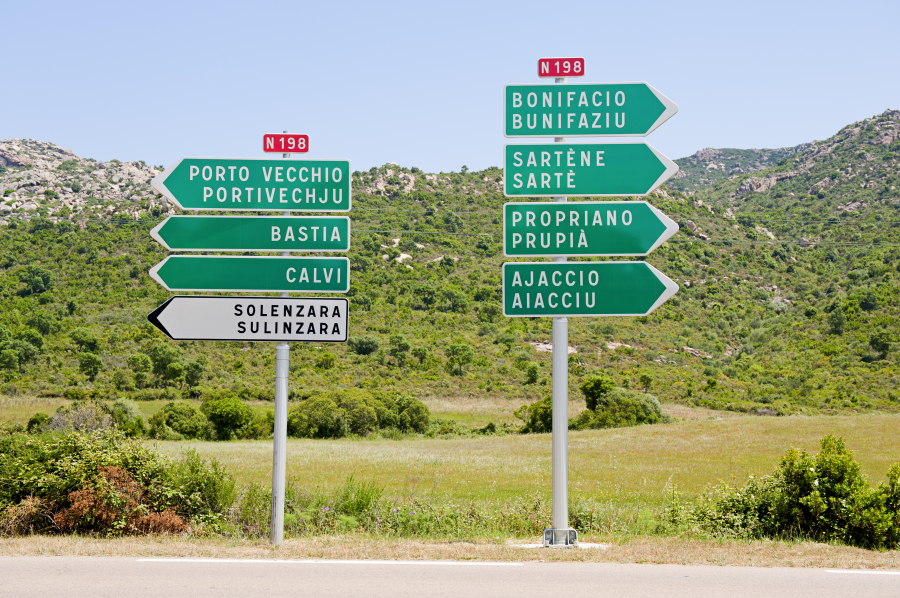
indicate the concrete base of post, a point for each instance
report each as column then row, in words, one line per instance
column 560, row 538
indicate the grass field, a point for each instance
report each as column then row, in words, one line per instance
column 626, row 470
column 629, row 465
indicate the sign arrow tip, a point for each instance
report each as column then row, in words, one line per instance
column 671, row 168
column 153, row 317
column 671, row 287
column 154, row 273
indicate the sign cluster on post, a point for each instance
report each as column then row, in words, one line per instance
column 254, row 184
column 560, row 289
column 257, row 184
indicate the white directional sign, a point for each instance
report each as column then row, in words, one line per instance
column 196, row 318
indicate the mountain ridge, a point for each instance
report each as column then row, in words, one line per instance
column 788, row 277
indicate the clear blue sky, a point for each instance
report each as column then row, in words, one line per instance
column 420, row 83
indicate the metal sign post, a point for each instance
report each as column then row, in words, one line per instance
column 257, row 184
column 560, row 289
column 560, row 534
column 279, row 444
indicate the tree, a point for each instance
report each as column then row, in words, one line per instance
column 459, row 354
column 162, row 354
column 175, row 372
column 42, row 322
column 595, row 388
column 195, row 370
column 531, row 373
column 399, row 348
column 456, row 299
column 32, row 337
column 426, row 295
column 9, row 359
column 38, row 279
column 363, row 345
column 89, row 365
column 120, row 380
column 869, row 302
column 24, row 351
column 86, row 340
column 421, row 353
column 646, row 381
column 141, row 365
column 837, row 320
column 881, row 342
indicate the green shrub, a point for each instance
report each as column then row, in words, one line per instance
column 595, row 388
column 620, row 408
column 822, row 496
column 37, row 421
column 183, row 419
column 127, row 416
column 230, row 417
column 402, row 412
column 155, row 394
column 363, row 345
column 37, row 278
column 104, row 482
column 317, row 417
column 338, row 413
column 325, row 361
column 538, row 416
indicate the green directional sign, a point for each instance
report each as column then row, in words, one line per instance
column 583, row 169
column 243, row 274
column 541, row 229
column 253, row 184
column 561, row 289
column 584, row 110
column 254, row 233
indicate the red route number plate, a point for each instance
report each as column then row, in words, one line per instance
column 284, row 143
column 561, row 67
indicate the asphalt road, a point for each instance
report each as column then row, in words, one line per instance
column 77, row 577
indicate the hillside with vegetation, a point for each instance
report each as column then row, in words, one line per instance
column 710, row 166
column 788, row 300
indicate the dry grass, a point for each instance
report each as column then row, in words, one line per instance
column 19, row 410
column 629, row 465
column 684, row 412
column 635, row 550
column 474, row 411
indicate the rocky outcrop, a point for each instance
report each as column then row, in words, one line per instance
column 11, row 157
column 760, row 184
column 49, row 179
